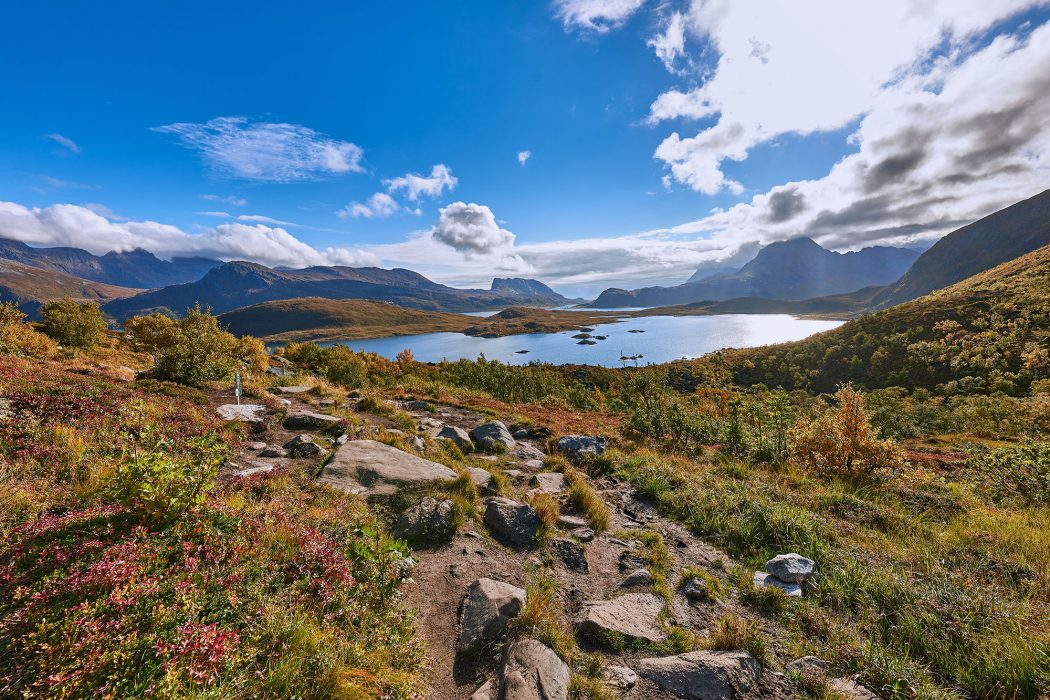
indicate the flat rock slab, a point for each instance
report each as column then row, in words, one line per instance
column 309, row 420
column 635, row 616
column 372, row 468
column 703, row 675
column 532, row 671
column 290, row 389
column 244, row 412
column 763, row 580
column 549, row 482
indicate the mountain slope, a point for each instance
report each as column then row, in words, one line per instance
column 521, row 285
column 998, row 237
column 237, row 284
column 787, row 270
column 28, row 286
column 137, row 268
column 986, row 334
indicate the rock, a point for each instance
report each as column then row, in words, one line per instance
column 326, row 403
column 370, row 467
column 570, row 553
column 619, row 677
column 532, row 671
column 309, row 420
column 273, row 451
column 342, row 439
column 417, row 405
column 525, row 451
column 489, row 434
column 254, row 469
column 428, row 519
column 575, row 446
column 256, row 446
column 763, row 580
column 808, row 664
column 485, row 692
column 514, row 473
column 549, row 482
column 244, row 412
column 481, row 478
column 417, row 443
column 458, row 437
column 302, row 446
column 394, row 431
column 571, row 522
column 634, row 615
column 638, row 577
column 487, row 609
column 513, row 522
column 630, row 561
column 703, row 675
column 695, row 590
column 583, row 534
column 534, row 464
column 520, row 434
column 290, row 389
column 849, row 688
column 792, row 568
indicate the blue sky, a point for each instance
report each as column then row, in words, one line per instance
column 659, row 133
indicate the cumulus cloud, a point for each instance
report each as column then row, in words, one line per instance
column 80, row 227
column 597, row 16
column 669, row 45
column 64, row 141
column 378, row 206
column 415, row 186
column 471, row 229
column 523, row 157
column 269, row 152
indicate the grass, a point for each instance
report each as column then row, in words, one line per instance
column 582, row 496
column 712, row 585
column 548, row 510
column 731, row 632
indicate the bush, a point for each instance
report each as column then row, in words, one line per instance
column 1016, row 472
column 842, row 439
column 17, row 338
column 73, row 325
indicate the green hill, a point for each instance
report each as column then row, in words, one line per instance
column 989, row 333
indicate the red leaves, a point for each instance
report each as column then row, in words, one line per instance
column 200, row 650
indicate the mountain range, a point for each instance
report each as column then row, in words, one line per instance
column 787, row 270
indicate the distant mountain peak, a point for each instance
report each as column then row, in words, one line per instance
column 521, row 285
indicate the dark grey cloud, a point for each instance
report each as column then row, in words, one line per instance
column 785, row 205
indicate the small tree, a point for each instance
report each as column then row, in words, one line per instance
column 195, row 350
column 150, row 333
column 73, row 325
column 842, row 438
column 18, row 338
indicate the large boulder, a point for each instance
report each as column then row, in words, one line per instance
column 792, row 568
column 427, row 520
column 635, row 616
column 372, row 468
column 457, row 436
column 487, row 609
column 488, row 435
column 532, row 671
column 242, row 412
column 513, row 522
column 310, row 420
column 703, row 675
column 575, row 446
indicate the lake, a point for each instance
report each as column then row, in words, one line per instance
column 662, row 339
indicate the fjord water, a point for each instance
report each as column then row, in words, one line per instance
column 664, row 338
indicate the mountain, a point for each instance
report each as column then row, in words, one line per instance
column 987, row 333
column 520, row 285
column 786, row 270
column 998, row 237
column 733, row 263
column 29, row 286
column 236, row 284
column 137, row 268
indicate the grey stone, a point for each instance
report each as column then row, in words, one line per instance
column 583, row 534
column 489, row 434
column 763, row 580
column 291, row 389
column 703, row 675
column 532, row 671
column 619, row 677
column 636, row 616
column 273, row 451
column 417, row 405
column 571, row 554
column 256, row 446
column 515, row 523
column 520, row 434
column 549, row 482
column 514, row 473
column 417, row 443
column 533, row 464
column 630, row 561
column 792, row 568
column 695, row 590
column 458, row 437
column 487, row 609
column 302, row 446
column 849, row 688
column 244, row 412
column 309, row 420
column 580, row 445
column 808, row 664
column 524, row 450
column 485, row 692
column 638, row 577
column 428, row 519
column 571, row 522
column 481, row 477
column 326, row 403
column 370, row 467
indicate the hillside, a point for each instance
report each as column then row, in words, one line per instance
column 237, row 284
column 29, row 286
column 137, row 268
column 787, row 270
column 835, row 306
column 521, row 285
column 986, row 334
column 1004, row 235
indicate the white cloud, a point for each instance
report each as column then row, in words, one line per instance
column 471, row 229
column 232, row 200
column 266, row 151
column 53, row 182
column 77, row 226
column 523, row 157
column 380, row 205
column 216, row 214
column 64, row 141
column 415, row 186
column 260, row 219
column 597, row 16
column 670, row 45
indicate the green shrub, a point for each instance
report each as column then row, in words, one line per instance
column 17, row 338
column 73, row 325
column 195, row 350
column 1020, row 472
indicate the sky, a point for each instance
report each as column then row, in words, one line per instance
column 585, row 143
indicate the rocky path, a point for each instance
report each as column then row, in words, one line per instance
column 468, row 586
